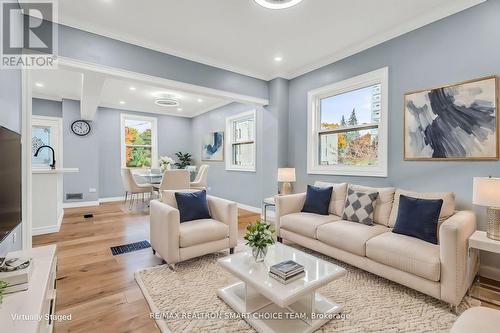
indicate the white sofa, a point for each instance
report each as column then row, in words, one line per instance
column 176, row 242
column 436, row 270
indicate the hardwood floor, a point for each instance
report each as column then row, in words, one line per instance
column 95, row 287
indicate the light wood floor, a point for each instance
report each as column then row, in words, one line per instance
column 97, row 288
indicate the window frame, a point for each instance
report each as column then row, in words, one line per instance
column 252, row 114
column 379, row 76
column 154, row 138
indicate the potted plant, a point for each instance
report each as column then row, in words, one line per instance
column 259, row 236
column 184, row 160
column 166, row 163
column 3, row 285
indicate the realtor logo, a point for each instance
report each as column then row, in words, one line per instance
column 28, row 36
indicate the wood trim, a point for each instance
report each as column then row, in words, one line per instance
column 495, row 158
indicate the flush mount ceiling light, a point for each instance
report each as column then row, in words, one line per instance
column 277, row 4
column 166, row 102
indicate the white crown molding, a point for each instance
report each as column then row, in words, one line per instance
column 432, row 16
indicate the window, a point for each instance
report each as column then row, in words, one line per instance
column 240, row 145
column 347, row 127
column 138, row 141
column 46, row 131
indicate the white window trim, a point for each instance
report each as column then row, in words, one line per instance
column 154, row 137
column 313, row 127
column 229, row 141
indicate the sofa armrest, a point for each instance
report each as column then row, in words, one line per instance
column 164, row 231
column 454, row 234
column 226, row 212
column 288, row 204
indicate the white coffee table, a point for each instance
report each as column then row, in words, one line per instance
column 270, row 306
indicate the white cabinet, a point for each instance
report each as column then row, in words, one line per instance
column 31, row 311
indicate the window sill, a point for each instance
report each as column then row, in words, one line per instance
column 242, row 170
column 345, row 172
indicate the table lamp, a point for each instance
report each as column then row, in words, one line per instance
column 286, row 176
column 486, row 192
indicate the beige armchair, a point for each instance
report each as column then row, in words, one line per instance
column 201, row 180
column 176, row 242
column 132, row 188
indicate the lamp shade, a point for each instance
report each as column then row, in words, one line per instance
column 486, row 192
column 286, row 175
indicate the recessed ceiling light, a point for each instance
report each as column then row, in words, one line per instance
column 167, row 102
column 39, row 84
column 277, row 4
column 200, row 100
column 122, row 102
column 278, row 59
column 179, row 109
column 132, row 88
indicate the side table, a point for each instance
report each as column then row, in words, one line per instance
column 266, row 203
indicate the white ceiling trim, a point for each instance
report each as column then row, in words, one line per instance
column 421, row 21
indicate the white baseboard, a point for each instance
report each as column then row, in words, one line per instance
column 80, row 204
column 250, row 208
column 45, row 230
column 111, row 199
column 490, row 272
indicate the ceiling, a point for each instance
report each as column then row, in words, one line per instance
column 117, row 92
column 241, row 36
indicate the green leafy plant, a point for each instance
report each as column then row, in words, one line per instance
column 259, row 235
column 184, row 160
column 3, row 285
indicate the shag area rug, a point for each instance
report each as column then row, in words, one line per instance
column 186, row 301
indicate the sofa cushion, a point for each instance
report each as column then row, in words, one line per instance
column 407, row 254
column 201, row 231
column 447, row 210
column 337, row 201
column 349, row 236
column 359, row 206
column 383, row 205
column 305, row 224
column 418, row 218
column 317, row 200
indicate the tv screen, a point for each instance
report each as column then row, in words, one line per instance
column 10, row 181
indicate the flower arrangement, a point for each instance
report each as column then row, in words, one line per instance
column 259, row 236
column 166, row 162
column 3, row 285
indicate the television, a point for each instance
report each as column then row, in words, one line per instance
column 10, row 181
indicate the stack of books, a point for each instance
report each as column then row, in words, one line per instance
column 287, row 271
column 16, row 273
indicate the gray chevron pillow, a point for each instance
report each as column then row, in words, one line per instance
column 359, row 206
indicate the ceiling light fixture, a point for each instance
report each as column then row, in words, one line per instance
column 278, row 59
column 166, row 102
column 122, row 102
column 179, row 109
column 132, row 88
column 200, row 100
column 278, row 4
column 39, row 84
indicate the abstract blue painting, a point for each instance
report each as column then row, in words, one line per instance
column 213, row 147
column 456, row 122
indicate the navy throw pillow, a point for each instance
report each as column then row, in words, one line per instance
column 192, row 205
column 317, row 200
column 418, row 218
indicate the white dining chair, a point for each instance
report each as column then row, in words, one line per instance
column 132, row 188
column 173, row 180
column 201, row 180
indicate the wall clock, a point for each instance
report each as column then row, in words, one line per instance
column 80, row 127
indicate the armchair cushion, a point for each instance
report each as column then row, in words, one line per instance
column 418, row 218
column 317, row 200
column 192, row 205
column 201, row 231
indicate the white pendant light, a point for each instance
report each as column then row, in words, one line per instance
column 277, row 4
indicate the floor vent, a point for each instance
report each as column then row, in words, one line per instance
column 115, row 250
column 74, row 196
column 88, row 216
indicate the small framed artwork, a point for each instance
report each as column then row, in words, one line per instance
column 454, row 122
column 213, row 147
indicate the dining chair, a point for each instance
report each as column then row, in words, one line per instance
column 172, row 180
column 200, row 182
column 132, row 188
